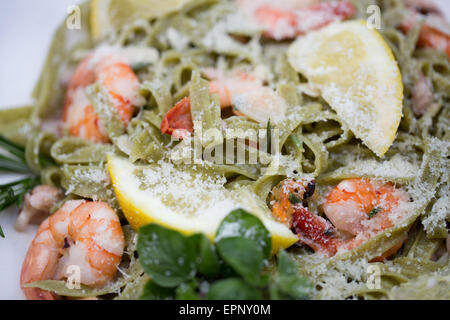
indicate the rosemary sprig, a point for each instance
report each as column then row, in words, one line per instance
column 12, row 159
column 12, row 148
column 13, row 193
column 14, row 165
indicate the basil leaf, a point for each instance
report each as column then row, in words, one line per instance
column 374, row 211
column 166, row 256
column 154, row 292
column 286, row 265
column 187, row 291
column 207, row 260
column 289, row 284
column 245, row 256
column 239, row 223
column 233, row 289
column 294, row 287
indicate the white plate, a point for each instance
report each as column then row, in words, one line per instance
column 26, row 30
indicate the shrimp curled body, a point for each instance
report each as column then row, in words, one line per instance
column 82, row 233
column 357, row 210
column 117, row 77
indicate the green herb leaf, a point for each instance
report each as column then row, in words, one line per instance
column 245, row 256
column 374, row 211
column 240, row 223
column 233, row 289
column 294, row 287
column 14, row 159
column 12, row 148
column 207, row 260
column 187, row 291
column 294, row 199
column 286, row 265
column 11, row 164
column 13, row 192
column 166, row 255
column 289, row 283
column 1, row 232
column 154, row 292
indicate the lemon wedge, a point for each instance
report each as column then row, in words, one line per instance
column 185, row 200
column 357, row 75
column 109, row 15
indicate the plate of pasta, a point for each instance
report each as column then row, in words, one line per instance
column 233, row 149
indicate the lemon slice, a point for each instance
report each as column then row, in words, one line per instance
column 185, row 201
column 357, row 74
column 109, row 15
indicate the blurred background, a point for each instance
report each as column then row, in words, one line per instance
column 26, row 29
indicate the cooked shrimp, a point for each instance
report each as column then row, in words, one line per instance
column 286, row 202
column 358, row 209
column 435, row 31
column 36, row 205
column 82, row 233
column 117, row 77
column 245, row 92
column 178, row 121
column 288, row 19
column 360, row 205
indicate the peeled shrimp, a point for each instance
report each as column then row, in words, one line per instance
column 435, row 31
column 117, row 77
column 245, row 92
column 289, row 18
column 37, row 205
column 82, row 233
column 357, row 210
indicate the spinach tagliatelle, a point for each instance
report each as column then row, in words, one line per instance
column 194, row 113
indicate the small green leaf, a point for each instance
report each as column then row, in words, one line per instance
column 154, row 292
column 233, row 289
column 294, row 199
column 240, row 223
column 13, row 192
column 294, row 287
column 1, row 232
column 207, row 260
column 289, row 284
column 244, row 256
column 286, row 265
column 374, row 211
column 12, row 148
column 166, row 256
column 187, row 291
